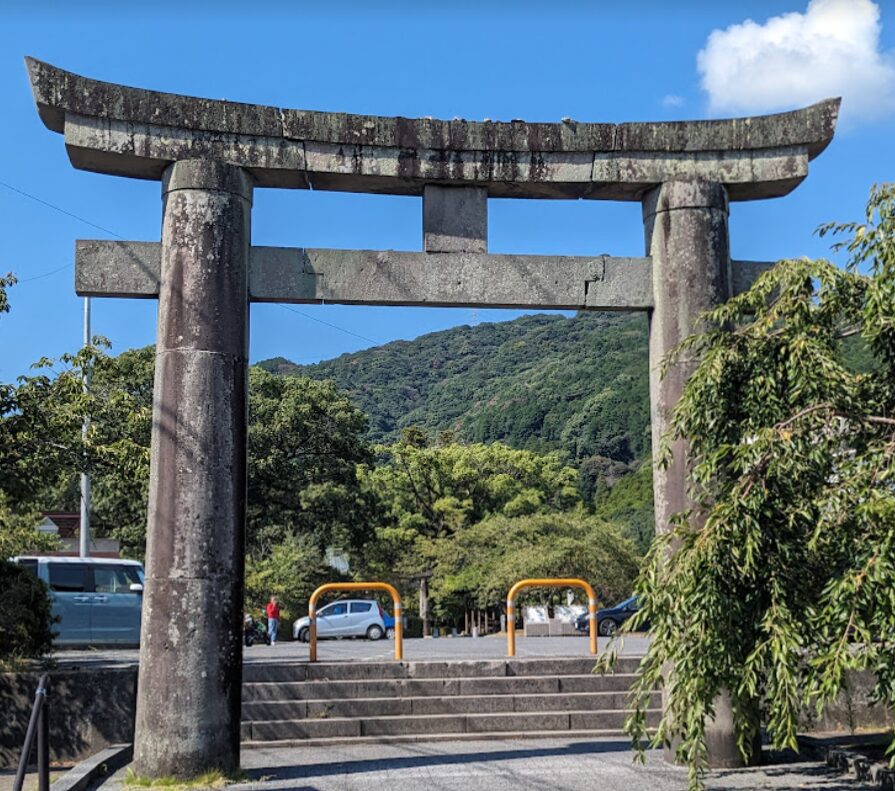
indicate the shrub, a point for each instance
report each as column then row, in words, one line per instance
column 25, row 618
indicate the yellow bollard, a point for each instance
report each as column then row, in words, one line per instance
column 399, row 629
column 592, row 620
column 356, row 586
column 550, row 583
column 312, row 616
column 511, row 627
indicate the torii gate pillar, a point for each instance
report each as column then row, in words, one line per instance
column 685, row 224
column 189, row 695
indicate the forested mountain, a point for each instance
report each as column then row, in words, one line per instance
column 539, row 382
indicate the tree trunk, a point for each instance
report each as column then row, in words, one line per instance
column 424, row 605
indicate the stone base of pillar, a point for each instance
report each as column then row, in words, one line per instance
column 722, row 751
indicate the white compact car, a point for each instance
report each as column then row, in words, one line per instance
column 346, row 618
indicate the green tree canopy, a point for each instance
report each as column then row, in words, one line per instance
column 290, row 570
column 432, row 490
column 305, row 441
column 42, row 449
column 25, row 617
column 481, row 563
column 780, row 579
column 629, row 503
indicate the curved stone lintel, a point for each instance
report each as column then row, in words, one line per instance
column 133, row 132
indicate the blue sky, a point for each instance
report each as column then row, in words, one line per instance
column 592, row 61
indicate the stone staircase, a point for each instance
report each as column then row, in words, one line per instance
column 328, row 703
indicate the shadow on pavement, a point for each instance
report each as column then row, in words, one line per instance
column 811, row 776
column 429, row 759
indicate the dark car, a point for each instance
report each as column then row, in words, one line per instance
column 610, row 618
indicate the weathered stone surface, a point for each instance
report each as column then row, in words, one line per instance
column 497, row 685
column 470, row 704
column 420, row 723
column 125, row 131
column 748, row 174
column 266, row 710
column 455, row 219
column 189, row 694
column 744, row 273
column 120, row 269
column 607, row 720
column 389, row 277
column 687, row 239
column 453, row 279
column 363, row 707
column 305, row 729
column 524, row 721
column 595, row 683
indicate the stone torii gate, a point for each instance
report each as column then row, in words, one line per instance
column 210, row 155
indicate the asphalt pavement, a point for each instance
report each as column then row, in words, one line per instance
column 415, row 649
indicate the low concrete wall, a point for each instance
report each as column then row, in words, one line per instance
column 851, row 710
column 90, row 708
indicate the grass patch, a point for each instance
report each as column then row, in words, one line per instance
column 213, row 779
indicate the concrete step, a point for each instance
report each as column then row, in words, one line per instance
column 261, row 672
column 280, row 710
column 614, row 736
column 438, row 687
column 428, row 724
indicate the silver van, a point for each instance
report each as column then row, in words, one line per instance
column 98, row 600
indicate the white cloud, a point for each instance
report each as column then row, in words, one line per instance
column 795, row 59
column 673, row 100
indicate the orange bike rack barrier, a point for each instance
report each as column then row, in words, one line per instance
column 357, row 586
column 550, row 583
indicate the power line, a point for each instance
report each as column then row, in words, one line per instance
column 118, row 236
column 59, row 209
column 334, row 326
column 67, row 213
column 45, row 274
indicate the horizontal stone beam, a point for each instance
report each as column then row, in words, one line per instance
column 126, row 131
column 370, row 277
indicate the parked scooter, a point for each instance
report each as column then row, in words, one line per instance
column 254, row 632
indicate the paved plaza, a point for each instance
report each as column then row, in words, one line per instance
column 415, row 649
column 544, row 765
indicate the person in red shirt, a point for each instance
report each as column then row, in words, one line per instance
column 273, row 619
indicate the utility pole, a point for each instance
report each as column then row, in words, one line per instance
column 85, row 478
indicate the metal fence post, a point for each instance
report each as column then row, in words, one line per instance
column 43, row 748
column 37, row 726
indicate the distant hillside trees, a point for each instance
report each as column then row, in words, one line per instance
column 537, row 383
column 541, row 383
